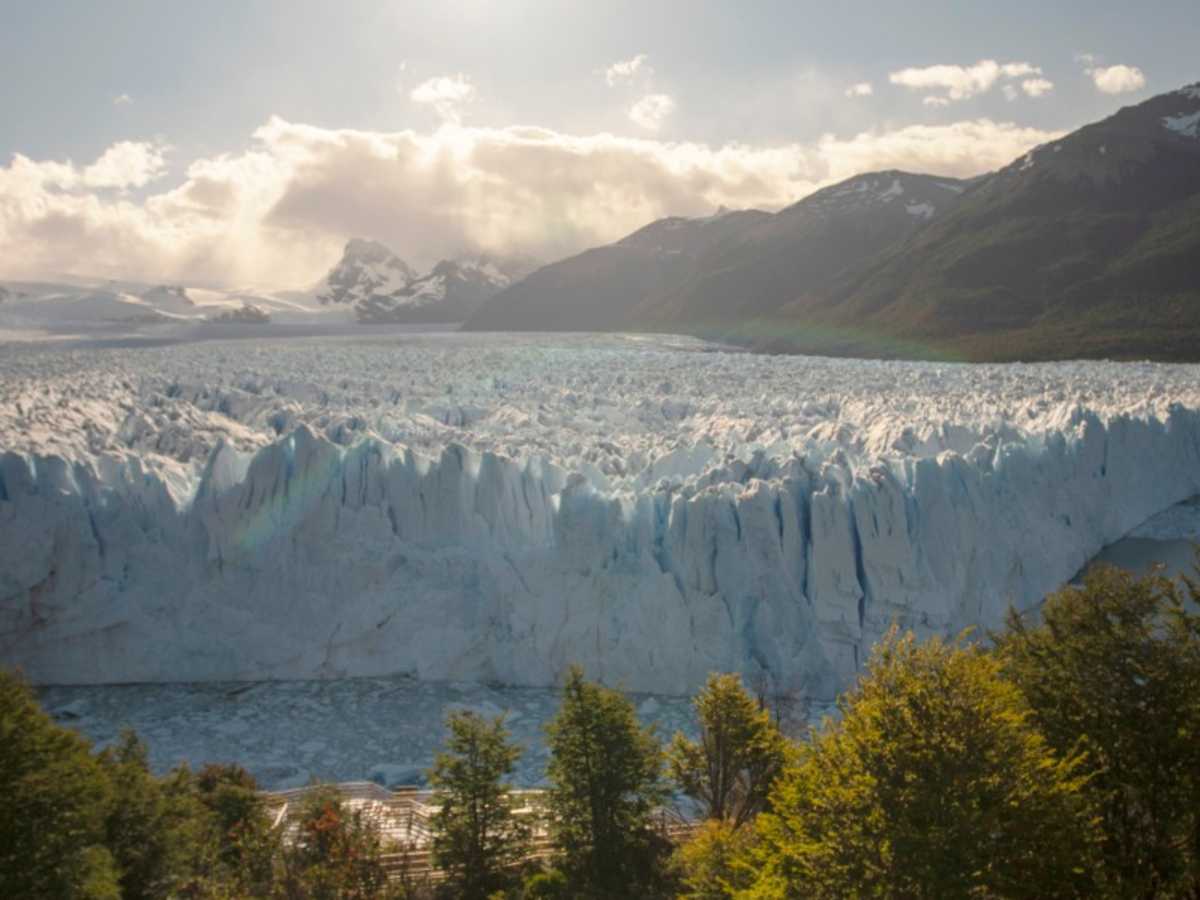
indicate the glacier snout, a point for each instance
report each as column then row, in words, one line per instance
column 309, row 559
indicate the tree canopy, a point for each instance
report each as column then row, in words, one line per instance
column 605, row 775
column 933, row 784
column 55, row 797
column 477, row 841
column 1113, row 671
column 730, row 768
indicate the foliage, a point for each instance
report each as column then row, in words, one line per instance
column 933, row 784
column 55, row 798
column 549, row 885
column 156, row 830
column 605, row 781
column 336, row 853
column 740, row 752
column 1114, row 669
column 477, row 840
column 246, row 846
column 715, row 863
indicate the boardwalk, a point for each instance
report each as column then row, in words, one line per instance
column 404, row 819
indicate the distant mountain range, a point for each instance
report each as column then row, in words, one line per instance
column 378, row 286
column 1086, row 246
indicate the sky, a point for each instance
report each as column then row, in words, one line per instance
column 233, row 143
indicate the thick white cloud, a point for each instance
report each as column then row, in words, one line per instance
column 961, row 82
column 1037, row 87
column 862, row 89
column 124, row 165
column 626, row 71
column 127, row 164
column 278, row 212
column 446, row 94
column 1118, row 79
column 652, row 110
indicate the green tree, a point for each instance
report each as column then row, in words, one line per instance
column 1114, row 669
column 549, row 885
column 477, row 841
column 156, row 829
column 55, row 796
column 933, row 784
column 605, row 775
column 740, row 752
column 335, row 853
column 715, row 863
column 245, row 844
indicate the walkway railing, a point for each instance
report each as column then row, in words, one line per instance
column 404, row 819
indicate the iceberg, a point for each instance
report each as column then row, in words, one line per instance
column 494, row 508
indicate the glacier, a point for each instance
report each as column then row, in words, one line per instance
column 491, row 508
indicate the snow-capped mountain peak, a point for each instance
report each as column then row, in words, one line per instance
column 1115, row 149
column 367, row 268
column 380, row 287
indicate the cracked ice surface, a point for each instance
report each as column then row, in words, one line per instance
column 491, row 508
column 286, row 733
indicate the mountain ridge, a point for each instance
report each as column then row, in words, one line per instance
column 1088, row 245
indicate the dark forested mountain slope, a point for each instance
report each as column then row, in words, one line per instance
column 599, row 289
column 1089, row 245
column 1086, row 246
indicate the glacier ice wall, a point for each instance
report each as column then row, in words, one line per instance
column 165, row 533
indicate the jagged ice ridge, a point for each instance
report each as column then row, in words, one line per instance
column 493, row 508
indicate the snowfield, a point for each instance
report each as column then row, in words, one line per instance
column 485, row 508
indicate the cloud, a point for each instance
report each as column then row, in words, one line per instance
column 961, row 82
column 862, row 89
column 1037, row 87
column 1117, row 79
column 961, row 149
column 446, row 94
column 626, row 71
column 122, row 100
column 650, row 111
column 935, row 101
column 276, row 213
column 1010, row 92
column 124, row 165
column 128, row 164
